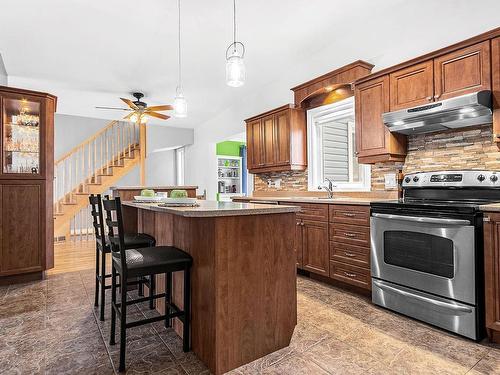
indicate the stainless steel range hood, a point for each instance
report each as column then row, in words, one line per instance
column 458, row 112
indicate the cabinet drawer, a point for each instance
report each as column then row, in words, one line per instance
column 350, row 234
column 355, row 255
column 318, row 212
column 346, row 214
column 350, row 274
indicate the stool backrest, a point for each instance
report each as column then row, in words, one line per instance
column 114, row 222
column 97, row 218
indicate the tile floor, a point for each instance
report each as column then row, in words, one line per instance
column 50, row 327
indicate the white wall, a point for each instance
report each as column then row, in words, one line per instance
column 3, row 73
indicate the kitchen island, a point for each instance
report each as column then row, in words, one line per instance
column 244, row 302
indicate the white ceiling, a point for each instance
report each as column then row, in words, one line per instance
column 90, row 52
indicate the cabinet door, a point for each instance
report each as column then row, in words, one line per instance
column 463, row 71
column 412, row 86
column 254, row 144
column 21, row 228
column 495, row 76
column 372, row 99
column 492, row 272
column 23, row 136
column 298, row 243
column 315, row 254
column 269, row 149
column 282, row 135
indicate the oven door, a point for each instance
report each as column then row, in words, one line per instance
column 431, row 254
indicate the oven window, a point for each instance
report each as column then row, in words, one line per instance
column 420, row 252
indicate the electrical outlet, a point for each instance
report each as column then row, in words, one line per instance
column 390, row 181
column 277, row 183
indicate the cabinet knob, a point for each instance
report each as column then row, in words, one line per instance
column 437, row 96
column 486, row 219
column 302, row 224
column 429, row 98
column 298, row 223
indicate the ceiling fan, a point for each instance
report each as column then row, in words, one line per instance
column 139, row 110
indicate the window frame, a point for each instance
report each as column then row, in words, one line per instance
column 338, row 110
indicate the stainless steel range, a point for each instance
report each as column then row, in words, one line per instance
column 427, row 251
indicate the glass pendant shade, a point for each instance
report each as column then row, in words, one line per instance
column 144, row 118
column 235, row 71
column 180, row 105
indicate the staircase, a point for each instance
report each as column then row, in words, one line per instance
column 91, row 168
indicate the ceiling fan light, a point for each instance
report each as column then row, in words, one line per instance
column 235, row 71
column 180, row 105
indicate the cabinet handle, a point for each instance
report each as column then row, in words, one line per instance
column 437, row 96
column 348, row 214
column 348, row 274
column 486, row 219
column 349, row 235
column 429, row 98
column 350, row 255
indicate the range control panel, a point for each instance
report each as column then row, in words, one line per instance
column 452, row 179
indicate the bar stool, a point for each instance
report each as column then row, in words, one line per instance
column 142, row 262
column 132, row 241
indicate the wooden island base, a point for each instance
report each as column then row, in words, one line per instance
column 244, row 301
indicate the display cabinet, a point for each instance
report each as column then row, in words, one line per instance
column 26, row 183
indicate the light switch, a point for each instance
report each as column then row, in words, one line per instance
column 390, row 181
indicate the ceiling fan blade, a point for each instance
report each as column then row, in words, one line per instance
column 166, row 107
column 158, row 115
column 118, row 109
column 130, row 103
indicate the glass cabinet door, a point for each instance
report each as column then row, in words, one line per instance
column 21, row 136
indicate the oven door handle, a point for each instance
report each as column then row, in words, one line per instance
column 444, row 305
column 419, row 219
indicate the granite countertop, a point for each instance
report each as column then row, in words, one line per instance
column 335, row 200
column 152, row 187
column 215, row 209
column 492, row 207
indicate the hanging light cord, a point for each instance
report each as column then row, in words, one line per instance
column 179, row 45
column 234, row 25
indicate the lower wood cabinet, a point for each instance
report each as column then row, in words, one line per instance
column 492, row 274
column 299, row 244
column 21, row 227
column 315, row 256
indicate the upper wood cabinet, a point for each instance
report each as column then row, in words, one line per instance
column 374, row 142
column 412, row 86
column 461, row 72
column 495, row 83
column 276, row 140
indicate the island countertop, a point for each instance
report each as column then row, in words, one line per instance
column 216, row 209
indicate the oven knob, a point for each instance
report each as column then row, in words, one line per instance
column 481, row 177
column 415, row 179
column 493, row 178
column 407, row 179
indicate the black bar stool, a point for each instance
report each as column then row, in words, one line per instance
column 142, row 262
column 132, row 241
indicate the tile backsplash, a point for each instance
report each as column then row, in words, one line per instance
column 467, row 148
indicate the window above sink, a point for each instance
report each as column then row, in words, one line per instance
column 331, row 148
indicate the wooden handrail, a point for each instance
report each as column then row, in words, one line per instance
column 88, row 140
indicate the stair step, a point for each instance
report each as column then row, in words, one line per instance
column 69, row 203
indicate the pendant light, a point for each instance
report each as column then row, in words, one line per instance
column 235, row 67
column 180, row 103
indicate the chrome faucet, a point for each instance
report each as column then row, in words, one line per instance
column 328, row 188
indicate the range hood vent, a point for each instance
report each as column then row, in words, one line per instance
column 461, row 111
